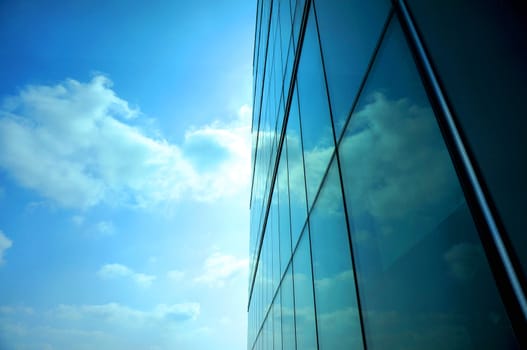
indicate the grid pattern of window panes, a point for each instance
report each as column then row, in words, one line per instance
column 360, row 233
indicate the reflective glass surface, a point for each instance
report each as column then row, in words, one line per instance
column 423, row 278
column 304, row 303
column 275, row 241
column 486, row 84
column 298, row 6
column 283, row 213
column 349, row 31
column 295, row 163
column 277, row 323
column 288, row 311
column 337, row 311
column 315, row 120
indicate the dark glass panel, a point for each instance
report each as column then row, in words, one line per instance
column 349, row 31
column 423, row 277
column 295, row 162
column 288, row 311
column 317, row 133
column 479, row 49
column 306, row 337
column 337, row 311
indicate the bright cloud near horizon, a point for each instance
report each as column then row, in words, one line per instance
column 75, row 144
column 124, row 195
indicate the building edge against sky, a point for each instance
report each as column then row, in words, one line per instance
column 389, row 167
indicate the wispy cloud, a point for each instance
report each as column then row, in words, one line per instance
column 112, row 271
column 9, row 309
column 5, row 244
column 218, row 268
column 114, row 312
column 78, row 144
column 104, row 228
column 175, row 275
column 78, row 220
column 100, row 326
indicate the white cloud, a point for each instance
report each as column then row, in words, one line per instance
column 8, row 309
column 219, row 268
column 116, row 313
column 104, row 228
column 75, row 144
column 100, row 326
column 78, row 220
column 112, row 271
column 175, row 275
column 5, row 244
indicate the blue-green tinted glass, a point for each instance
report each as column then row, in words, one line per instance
column 349, row 31
column 337, row 311
column 423, row 277
column 277, row 323
column 315, row 120
column 283, row 211
column 295, row 162
column 298, row 6
column 304, row 302
column 288, row 311
column 275, row 241
column 285, row 28
column 483, row 71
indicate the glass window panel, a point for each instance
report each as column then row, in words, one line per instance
column 423, row 277
column 283, row 204
column 288, row 311
column 337, row 311
column 295, row 162
column 315, row 121
column 297, row 20
column 483, row 71
column 277, row 323
column 285, row 28
column 275, row 242
column 289, row 68
column 256, row 297
column 346, row 56
column 250, row 324
column 304, row 302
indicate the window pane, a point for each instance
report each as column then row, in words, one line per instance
column 315, row 121
column 297, row 189
column 298, row 6
column 304, row 303
column 347, row 56
column 288, row 311
column 337, row 312
column 283, row 204
column 277, row 323
column 423, row 277
column 483, row 72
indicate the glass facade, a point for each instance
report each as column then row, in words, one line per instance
column 372, row 225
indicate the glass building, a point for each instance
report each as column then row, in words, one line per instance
column 389, row 186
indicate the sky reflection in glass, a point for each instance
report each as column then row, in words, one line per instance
column 423, row 277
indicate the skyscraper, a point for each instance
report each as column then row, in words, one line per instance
column 389, row 175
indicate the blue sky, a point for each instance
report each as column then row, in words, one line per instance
column 124, row 174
